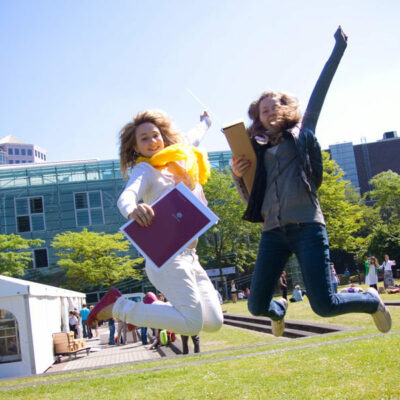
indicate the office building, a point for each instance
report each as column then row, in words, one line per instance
column 363, row 161
column 14, row 151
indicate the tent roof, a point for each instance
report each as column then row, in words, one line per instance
column 12, row 286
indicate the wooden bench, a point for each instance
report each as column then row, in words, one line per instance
column 70, row 354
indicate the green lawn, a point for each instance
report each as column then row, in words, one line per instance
column 355, row 364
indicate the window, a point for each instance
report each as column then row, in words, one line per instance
column 29, row 152
column 30, row 214
column 40, row 259
column 10, row 151
column 10, row 349
column 11, row 161
column 16, row 152
column 88, row 208
column 44, row 157
column 16, row 161
column 35, row 153
column 23, row 152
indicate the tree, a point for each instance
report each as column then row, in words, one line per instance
column 92, row 259
column 385, row 197
column 232, row 241
column 13, row 263
column 341, row 207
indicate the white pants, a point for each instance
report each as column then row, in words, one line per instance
column 192, row 305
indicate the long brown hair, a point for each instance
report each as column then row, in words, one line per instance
column 127, row 136
column 290, row 112
column 374, row 261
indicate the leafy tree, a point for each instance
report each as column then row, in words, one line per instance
column 232, row 241
column 92, row 259
column 342, row 208
column 385, row 197
column 12, row 262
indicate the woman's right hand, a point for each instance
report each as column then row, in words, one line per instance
column 143, row 214
column 240, row 165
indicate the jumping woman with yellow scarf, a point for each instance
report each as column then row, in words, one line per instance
column 160, row 157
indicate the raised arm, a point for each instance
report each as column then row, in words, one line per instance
column 196, row 134
column 320, row 90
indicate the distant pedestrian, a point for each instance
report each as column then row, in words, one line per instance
column 233, row 291
column 84, row 312
column 371, row 272
column 122, row 331
column 334, row 278
column 111, row 327
column 387, row 271
column 95, row 327
column 283, row 284
column 185, row 343
column 73, row 323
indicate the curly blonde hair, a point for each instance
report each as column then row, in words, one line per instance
column 127, row 136
column 289, row 113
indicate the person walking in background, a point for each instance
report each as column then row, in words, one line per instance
column 334, row 278
column 95, row 327
column 371, row 272
column 387, row 271
column 284, row 198
column 233, row 291
column 185, row 343
column 79, row 324
column 283, row 284
column 73, row 323
column 122, row 331
column 84, row 312
column 111, row 327
column 143, row 335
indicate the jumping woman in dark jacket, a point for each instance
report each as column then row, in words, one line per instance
column 284, row 199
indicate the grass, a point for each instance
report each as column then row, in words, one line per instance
column 355, row 364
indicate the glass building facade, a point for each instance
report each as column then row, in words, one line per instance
column 38, row 201
column 343, row 154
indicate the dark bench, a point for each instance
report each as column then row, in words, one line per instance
column 70, row 354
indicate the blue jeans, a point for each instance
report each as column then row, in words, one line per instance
column 143, row 334
column 309, row 242
column 112, row 334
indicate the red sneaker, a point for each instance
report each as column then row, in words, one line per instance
column 149, row 298
column 109, row 298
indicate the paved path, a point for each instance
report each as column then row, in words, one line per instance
column 105, row 355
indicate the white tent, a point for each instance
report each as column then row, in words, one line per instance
column 29, row 315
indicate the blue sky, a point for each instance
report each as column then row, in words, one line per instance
column 74, row 72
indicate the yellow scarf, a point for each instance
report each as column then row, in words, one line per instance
column 197, row 166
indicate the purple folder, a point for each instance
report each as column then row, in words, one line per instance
column 180, row 218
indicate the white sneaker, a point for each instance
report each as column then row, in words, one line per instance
column 278, row 327
column 382, row 318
